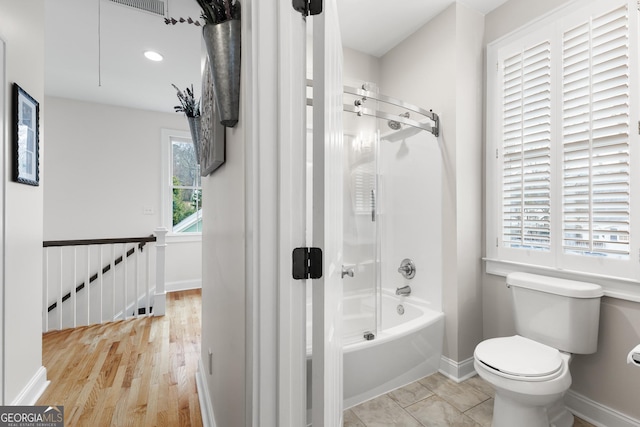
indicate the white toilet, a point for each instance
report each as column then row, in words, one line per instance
column 530, row 371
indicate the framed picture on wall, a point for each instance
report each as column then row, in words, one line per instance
column 26, row 114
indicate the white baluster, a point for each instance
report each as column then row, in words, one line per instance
column 60, row 294
column 148, row 280
column 125, row 295
column 113, row 281
column 73, row 288
column 136, row 294
column 100, row 266
column 87, row 285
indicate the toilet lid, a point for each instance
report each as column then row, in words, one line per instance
column 519, row 356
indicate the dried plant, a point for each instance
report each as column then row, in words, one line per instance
column 188, row 104
column 173, row 21
column 217, row 11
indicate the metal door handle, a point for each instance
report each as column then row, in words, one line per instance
column 347, row 271
column 373, row 205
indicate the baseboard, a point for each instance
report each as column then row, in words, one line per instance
column 33, row 390
column 206, row 409
column 183, row 285
column 596, row 413
column 457, row 371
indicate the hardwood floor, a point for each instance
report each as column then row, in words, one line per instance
column 138, row 372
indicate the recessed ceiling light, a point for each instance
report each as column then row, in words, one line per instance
column 153, row 56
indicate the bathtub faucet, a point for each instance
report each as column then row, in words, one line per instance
column 404, row 291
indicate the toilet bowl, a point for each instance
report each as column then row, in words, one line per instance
column 530, row 380
column 554, row 318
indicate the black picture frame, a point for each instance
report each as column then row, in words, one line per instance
column 26, row 130
column 212, row 133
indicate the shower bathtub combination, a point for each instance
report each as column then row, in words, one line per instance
column 407, row 347
column 393, row 324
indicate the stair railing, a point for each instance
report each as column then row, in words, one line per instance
column 93, row 281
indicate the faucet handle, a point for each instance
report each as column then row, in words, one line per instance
column 407, row 268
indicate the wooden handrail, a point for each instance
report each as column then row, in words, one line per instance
column 83, row 242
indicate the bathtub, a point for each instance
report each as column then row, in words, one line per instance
column 406, row 347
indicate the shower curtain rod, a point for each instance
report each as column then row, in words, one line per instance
column 365, row 94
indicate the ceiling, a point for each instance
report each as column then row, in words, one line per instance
column 94, row 48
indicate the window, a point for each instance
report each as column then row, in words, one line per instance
column 562, row 157
column 182, row 190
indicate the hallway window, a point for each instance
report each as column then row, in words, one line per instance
column 182, row 190
column 560, row 113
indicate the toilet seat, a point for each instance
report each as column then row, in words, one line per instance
column 519, row 358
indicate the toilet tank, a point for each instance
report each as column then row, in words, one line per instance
column 560, row 313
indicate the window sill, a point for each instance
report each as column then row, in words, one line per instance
column 614, row 287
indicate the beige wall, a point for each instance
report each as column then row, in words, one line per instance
column 440, row 67
column 22, row 29
column 604, row 376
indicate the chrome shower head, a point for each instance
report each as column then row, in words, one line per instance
column 397, row 125
column 394, row 125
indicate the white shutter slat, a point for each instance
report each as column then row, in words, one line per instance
column 526, row 152
column 595, row 131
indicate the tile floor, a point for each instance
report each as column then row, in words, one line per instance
column 434, row 401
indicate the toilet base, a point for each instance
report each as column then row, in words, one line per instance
column 559, row 416
column 509, row 412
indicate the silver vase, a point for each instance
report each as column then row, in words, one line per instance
column 223, row 46
column 195, row 128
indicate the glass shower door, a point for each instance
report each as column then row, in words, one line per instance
column 360, row 236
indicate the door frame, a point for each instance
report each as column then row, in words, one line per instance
column 275, row 212
column 275, row 200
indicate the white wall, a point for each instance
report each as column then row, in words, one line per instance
column 22, row 28
column 223, row 282
column 359, row 67
column 603, row 377
column 104, row 167
column 439, row 67
column 224, row 274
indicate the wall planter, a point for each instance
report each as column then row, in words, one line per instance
column 223, row 47
column 195, row 128
column 191, row 108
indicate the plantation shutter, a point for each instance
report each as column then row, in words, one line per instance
column 595, row 131
column 526, row 148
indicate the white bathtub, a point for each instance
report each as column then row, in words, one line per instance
column 406, row 348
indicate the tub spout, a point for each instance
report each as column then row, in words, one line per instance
column 404, row 291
